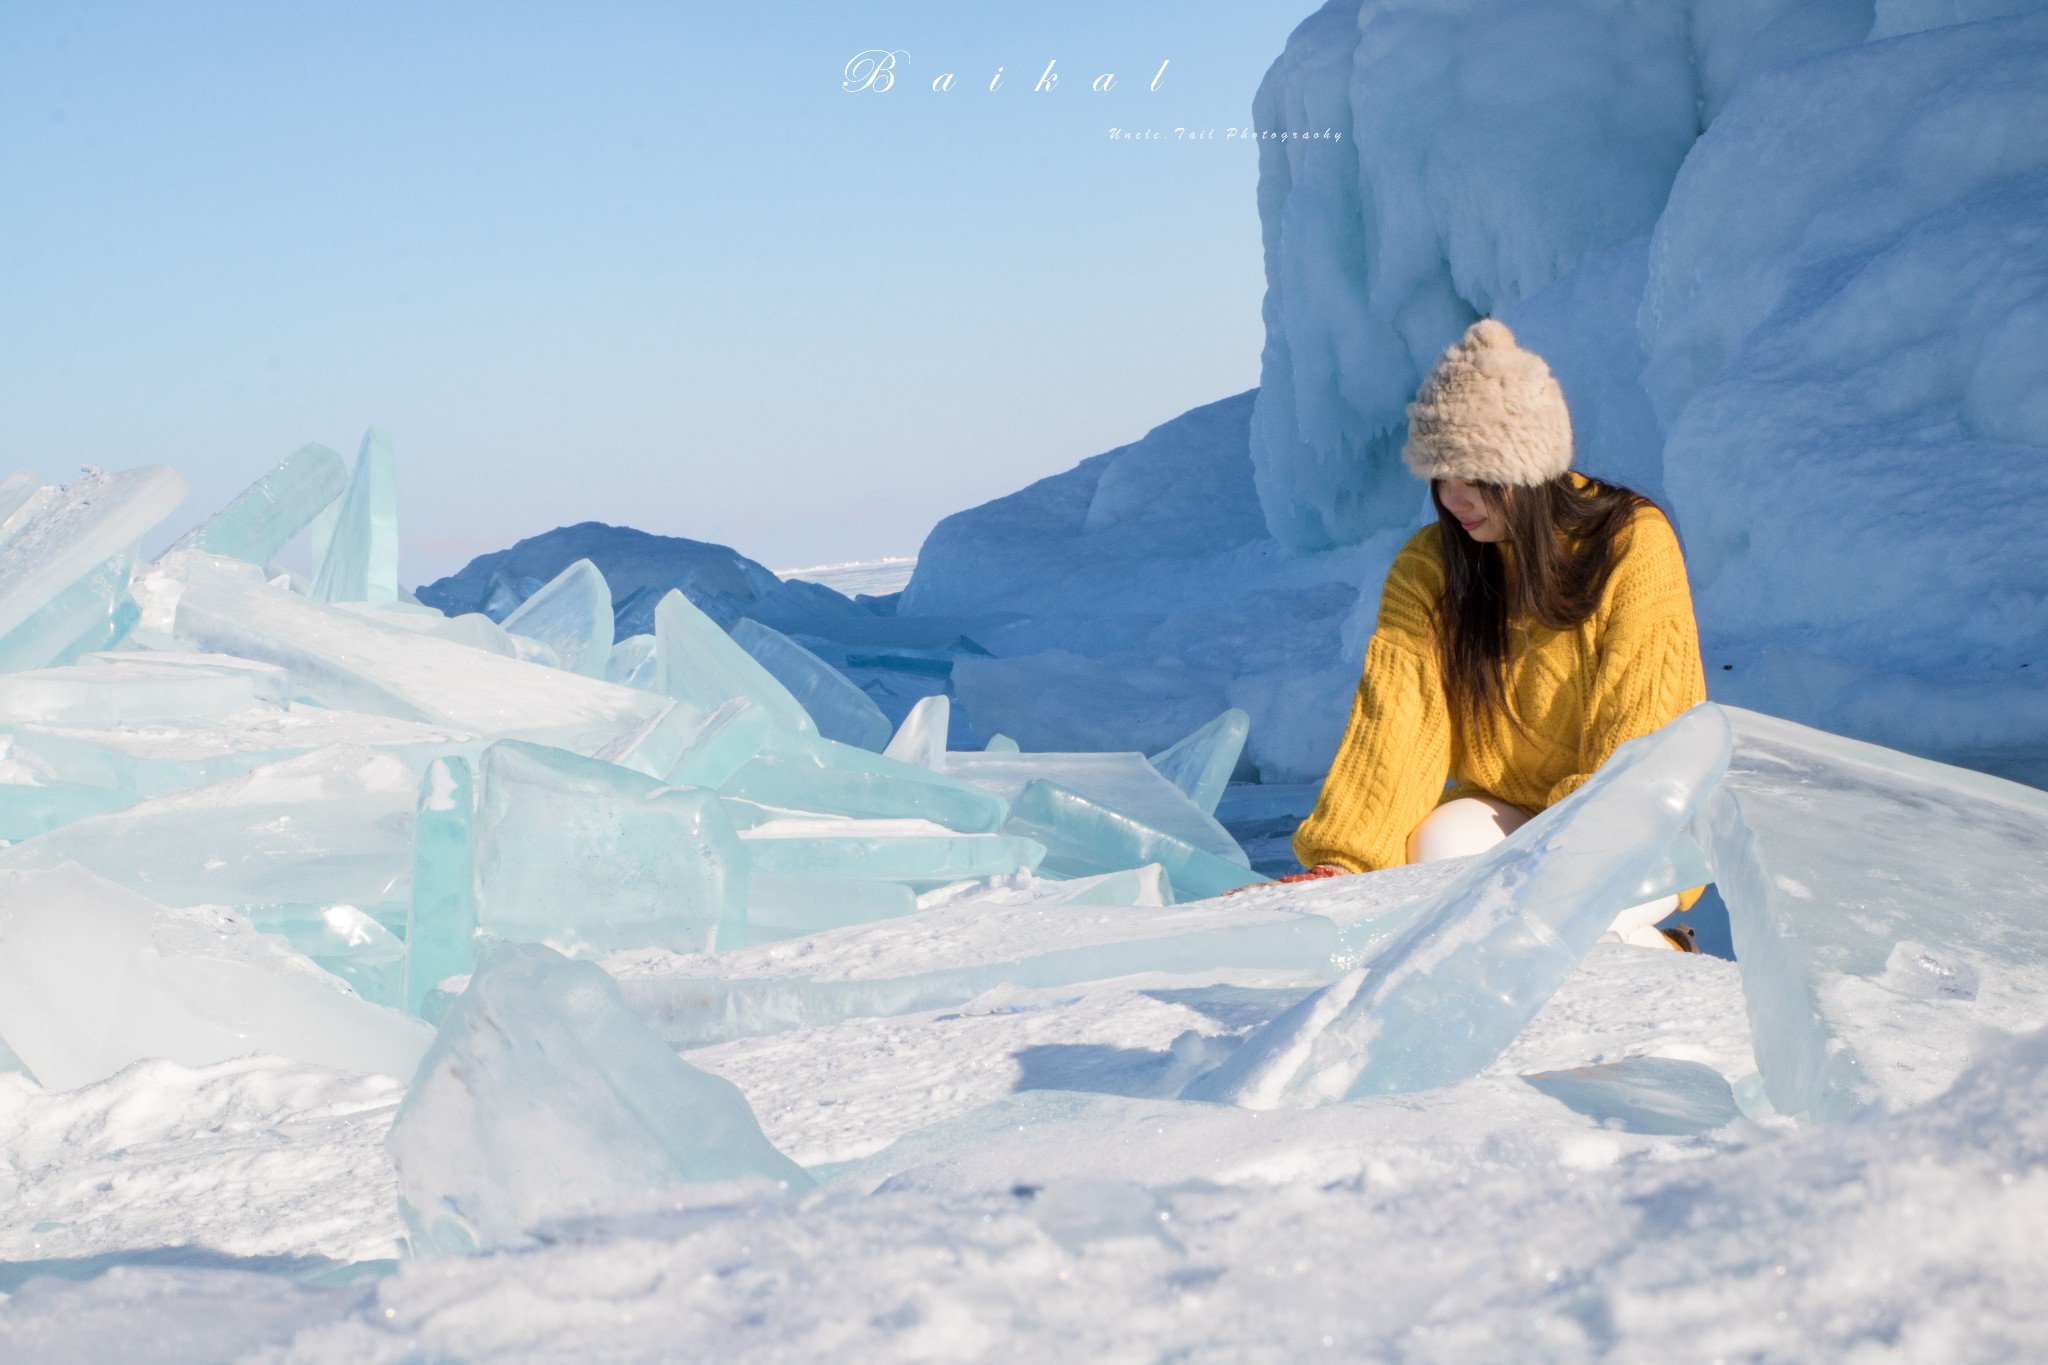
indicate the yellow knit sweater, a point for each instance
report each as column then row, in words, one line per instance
column 1627, row 670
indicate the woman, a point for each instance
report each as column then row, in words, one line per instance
column 1544, row 619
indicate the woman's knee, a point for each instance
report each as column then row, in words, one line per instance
column 1468, row 825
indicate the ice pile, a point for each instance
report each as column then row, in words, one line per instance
column 383, row 795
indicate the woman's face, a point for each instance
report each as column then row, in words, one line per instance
column 1481, row 520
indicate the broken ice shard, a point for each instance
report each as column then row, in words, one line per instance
column 1886, row 912
column 1440, row 999
column 591, row 857
column 784, row 905
column 700, row 664
column 269, row 512
column 1662, row 1095
column 65, row 567
column 440, row 926
column 1084, row 837
column 842, row 711
column 1002, row 744
column 1125, row 782
column 903, row 851
column 631, row 662
column 93, row 977
column 572, row 615
column 1201, row 764
column 361, row 563
column 806, row 773
column 921, row 740
column 329, row 827
column 134, row 693
column 543, row 1098
column 16, row 491
column 349, row 661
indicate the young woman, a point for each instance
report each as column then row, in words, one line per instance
column 1544, row 619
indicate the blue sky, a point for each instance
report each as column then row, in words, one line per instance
column 638, row 263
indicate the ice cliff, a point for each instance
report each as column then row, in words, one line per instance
column 1787, row 261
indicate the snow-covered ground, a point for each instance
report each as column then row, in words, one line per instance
column 870, row 577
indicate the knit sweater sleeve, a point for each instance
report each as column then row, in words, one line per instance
column 1646, row 669
column 1391, row 765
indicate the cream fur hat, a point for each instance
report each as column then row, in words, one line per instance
column 1490, row 412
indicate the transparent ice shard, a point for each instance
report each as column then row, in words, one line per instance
column 1001, row 744
column 543, row 1097
column 1125, row 782
column 268, row 684
column 93, row 977
column 361, row 563
column 269, row 512
column 16, row 491
column 1660, row 1095
column 64, row 572
column 287, row 841
column 842, row 711
column 930, row 961
column 476, row 630
column 700, row 664
column 351, row 661
column 345, row 940
column 877, row 851
column 806, row 773
column 1084, row 837
column 138, row 693
column 632, row 663
column 1441, row 998
column 783, row 905
column 590, row 857
column 1147, row 885
column 921, row 739
column 1887, row 911
column 572, row 615
column 440, row 924
column 1201, row 764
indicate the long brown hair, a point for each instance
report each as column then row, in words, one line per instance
column 1566, row 540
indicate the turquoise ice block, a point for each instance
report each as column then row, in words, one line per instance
column 1084, row 837
column 591, row 857
column 269, row 512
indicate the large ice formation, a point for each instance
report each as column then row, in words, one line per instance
column 1789, row 279
column 543, row 1097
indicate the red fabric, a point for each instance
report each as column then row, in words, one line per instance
column 1314, row 874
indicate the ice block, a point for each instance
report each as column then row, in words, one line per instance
column 1084, row 837
column 269, row 512
column 1201, row 764
column 361, row 563
column 572, row 615
column 842, row 711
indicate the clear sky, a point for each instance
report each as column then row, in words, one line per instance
column 641, row 263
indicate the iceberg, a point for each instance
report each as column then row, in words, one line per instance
column 1886, row 912
column 64, row 570
column 698, row 663
column 93, row 977
column 269, row 512
column 543, row 1097
column 1438, row 1001
column 361, row 562
column 842, row 711
column 440, row 922
column 572, row 615
column 921, row 739
column 591, row 857
column 1201, row 764
column 1083, row 837
column 351, row 661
